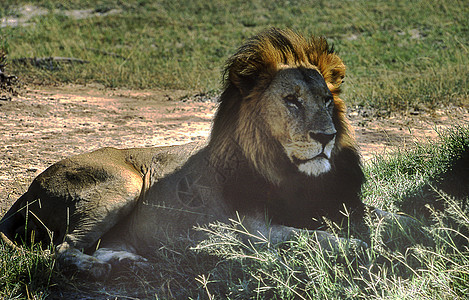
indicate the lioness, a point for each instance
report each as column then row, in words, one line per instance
column 281, row 155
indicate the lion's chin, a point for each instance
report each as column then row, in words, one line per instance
column 315, row 167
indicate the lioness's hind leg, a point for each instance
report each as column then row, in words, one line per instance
column 115, row 257
column 70, row 258
column 100, row 263
column 80, row 198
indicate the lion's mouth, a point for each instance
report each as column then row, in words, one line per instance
column 298, row 161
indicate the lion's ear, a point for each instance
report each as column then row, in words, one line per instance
column 249, row 69
column 338, row 74
column 243, row 82
column 335, row 76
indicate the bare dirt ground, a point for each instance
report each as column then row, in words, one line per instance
column 45, row 124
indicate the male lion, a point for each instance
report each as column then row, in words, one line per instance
column 281, row 155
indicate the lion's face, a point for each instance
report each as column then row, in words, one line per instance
column 281, row 108
column 298, row 109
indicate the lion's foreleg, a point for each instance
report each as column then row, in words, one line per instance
column 276, row 234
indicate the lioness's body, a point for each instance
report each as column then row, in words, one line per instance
column 80, row 198
column 281, row 155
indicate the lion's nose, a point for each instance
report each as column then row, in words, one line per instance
column 322, row 138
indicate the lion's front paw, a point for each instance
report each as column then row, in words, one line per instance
column 399, row 219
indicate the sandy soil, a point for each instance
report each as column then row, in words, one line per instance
column 46, row 124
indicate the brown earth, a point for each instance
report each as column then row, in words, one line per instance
column 47, row 123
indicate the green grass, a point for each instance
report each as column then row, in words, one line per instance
column 25, row 273
column 400, row 54
column 425, row 260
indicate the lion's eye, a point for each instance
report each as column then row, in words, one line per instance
column 292, row 101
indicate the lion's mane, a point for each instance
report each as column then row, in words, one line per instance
column 237, row 130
